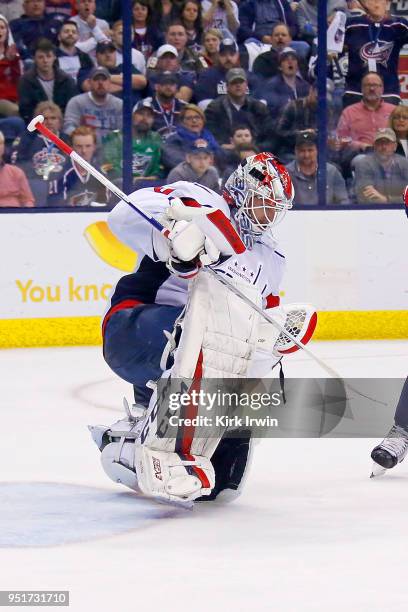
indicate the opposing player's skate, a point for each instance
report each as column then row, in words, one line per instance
column 391, row 451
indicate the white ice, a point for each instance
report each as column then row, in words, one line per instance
column 311, row 531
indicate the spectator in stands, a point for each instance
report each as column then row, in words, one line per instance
column 191, row 18
column 44, row 81
column 297, row 116
column 166, row 107
column 40, row 159
column 109, row 10
column 91, row 29
column 264, row 59
column 241, row 134
column 258, row 16
column 97, row 108
column 11, row 10
column 138, row 59
column 211, row 45
column 70, row 58
column 33, row 25
column 146, row 147
column 163, row 13
column 212, row 82
column 242, row 152
column 146, row 38
column 197, row 168
column 10, row 72
column 359, row 122
column 190, row 60
column 222, row 15
column 374, row 42
column 59, row 9
column 106, row 58
column 14, row 187
column 306, row 12
column 79, row 188
column 381, row 177
column 398, row 121
column 303, row 172
column 287, row 85
column 236, row 107
column 166, row 59
column 241, row 139
column 191, row 130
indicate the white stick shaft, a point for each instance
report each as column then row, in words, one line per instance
column 75, row 157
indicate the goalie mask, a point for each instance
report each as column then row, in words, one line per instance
column 261, row 191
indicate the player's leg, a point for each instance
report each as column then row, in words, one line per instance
column 394, row 447
column 134, row 341
column 218, row 339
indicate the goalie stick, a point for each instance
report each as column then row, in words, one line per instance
column 38, row 124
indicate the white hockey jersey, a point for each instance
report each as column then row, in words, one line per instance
column 152, row 283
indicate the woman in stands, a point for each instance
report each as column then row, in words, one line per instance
column 398, row 121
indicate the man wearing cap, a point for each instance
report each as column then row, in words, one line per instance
column 70, row 58
column 197, row 168
column 287, row 85
column 44, row 81
column 97, row 108
column 146, row 148
column 190, row 60
column 106, row 58
column 212, row 82
column 303, row 172
column 165, row 60
column 236, row 107
column 381, row 177
column 166, row 106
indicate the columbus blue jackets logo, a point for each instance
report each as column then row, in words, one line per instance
column 379, row 51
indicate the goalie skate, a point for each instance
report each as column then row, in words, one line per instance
column 392, row 450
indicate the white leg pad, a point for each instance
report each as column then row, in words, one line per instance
column 166, row 476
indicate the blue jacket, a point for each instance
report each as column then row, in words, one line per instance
column 178, row 145
column 27, row 31
column 277, row 93
column 258, row 16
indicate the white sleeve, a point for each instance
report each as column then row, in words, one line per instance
column 130, row 227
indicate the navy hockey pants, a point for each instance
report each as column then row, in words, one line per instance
column 134, row 342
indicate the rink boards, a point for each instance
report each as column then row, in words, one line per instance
column 58, row 271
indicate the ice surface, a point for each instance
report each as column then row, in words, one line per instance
column 311, row 531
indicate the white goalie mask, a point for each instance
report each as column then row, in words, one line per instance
column 261, row 190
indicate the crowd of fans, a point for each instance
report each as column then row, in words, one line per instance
column 213, row 82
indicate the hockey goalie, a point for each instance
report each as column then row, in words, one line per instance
column 171, row 320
